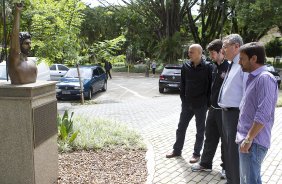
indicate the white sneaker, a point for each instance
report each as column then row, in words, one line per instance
column 197, row 168
column 222, row 174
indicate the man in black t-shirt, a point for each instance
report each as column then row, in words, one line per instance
column 195, row 86
column 214, row 119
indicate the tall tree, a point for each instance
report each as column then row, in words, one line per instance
column 208, row 23
column 100, row 23
column 55, row 27
column 254, row 18
column 165, row 17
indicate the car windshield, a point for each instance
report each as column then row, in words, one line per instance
column 84, row 73
column 171, row 71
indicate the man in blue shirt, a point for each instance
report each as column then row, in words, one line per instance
column 256, row 113
column 229, row 99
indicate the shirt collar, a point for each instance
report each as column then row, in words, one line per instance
column 199, row 65
column 258, row 71
column 236, row 59
column 220, row 63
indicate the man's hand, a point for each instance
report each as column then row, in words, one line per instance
column 245, row 146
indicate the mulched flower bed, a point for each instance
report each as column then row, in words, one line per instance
column 103, row 166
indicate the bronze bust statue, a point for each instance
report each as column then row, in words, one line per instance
column 20, row 69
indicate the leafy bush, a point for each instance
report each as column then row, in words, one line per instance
column 279, row 101
column 118, row 59
column 66, row 135
column 120, row 69
column 119, row 64
column 109, row 49
column 274, row 48
column 131, row 69
column 160, row 68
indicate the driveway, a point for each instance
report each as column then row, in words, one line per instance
column 135, row 101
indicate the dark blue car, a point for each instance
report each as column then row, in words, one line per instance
column 93, row 79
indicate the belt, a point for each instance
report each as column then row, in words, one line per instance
column 230, row 109
column 217, row 108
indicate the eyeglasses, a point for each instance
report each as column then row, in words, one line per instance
column 224, row 46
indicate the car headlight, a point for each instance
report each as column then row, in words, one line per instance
column 77, row 87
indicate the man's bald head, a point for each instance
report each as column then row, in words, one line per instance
column 195, row 53
column 197, row 47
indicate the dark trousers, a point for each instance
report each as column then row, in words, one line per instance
column 213, row 134
column 185, row 116
column 154, row 70
column 108, row 72
column 231, row 154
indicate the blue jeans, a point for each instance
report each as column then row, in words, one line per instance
column 250, row 164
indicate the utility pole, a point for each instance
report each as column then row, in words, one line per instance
column 80, row 83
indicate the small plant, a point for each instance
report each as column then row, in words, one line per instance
column 66, row 135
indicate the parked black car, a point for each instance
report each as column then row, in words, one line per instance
column 271, row 69
column 170, row 77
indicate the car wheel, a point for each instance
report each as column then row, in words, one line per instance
column 104, row 86
column 161, row 90
column 89, row 95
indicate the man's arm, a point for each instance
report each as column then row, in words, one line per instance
column 267, row 97
column 182, row 84
column 210, row 70
column 253, row 132
column 15, row 48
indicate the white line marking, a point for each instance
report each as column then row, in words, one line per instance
column 133, row 92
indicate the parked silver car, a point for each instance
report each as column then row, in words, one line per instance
column 57, row 71
column 43, row 71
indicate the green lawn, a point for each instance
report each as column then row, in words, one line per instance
column 99, row 134
column 279, row 102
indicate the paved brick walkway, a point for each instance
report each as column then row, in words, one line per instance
column 156, row 119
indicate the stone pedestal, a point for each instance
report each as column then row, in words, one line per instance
column 28, row 133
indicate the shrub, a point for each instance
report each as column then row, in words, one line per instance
column 66, row 135
column 120, row 69
column 274, row 48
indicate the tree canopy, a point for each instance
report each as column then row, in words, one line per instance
column 66, row 30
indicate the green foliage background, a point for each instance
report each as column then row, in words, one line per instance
column 68, row 31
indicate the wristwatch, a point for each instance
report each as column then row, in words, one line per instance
column 247, row 141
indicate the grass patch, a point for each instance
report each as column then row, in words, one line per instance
column 99, row 134
column 279, row 101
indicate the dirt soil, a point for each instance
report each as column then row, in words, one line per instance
column 103, row 166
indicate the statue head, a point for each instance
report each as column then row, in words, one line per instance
column 25, row 42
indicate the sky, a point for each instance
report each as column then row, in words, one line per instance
column 97, row 3
column 94, row 3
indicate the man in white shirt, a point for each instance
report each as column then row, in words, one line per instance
column 229, row 100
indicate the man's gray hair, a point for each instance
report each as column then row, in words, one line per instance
column 233, row 38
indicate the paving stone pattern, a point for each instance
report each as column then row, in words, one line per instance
column 156, row 119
